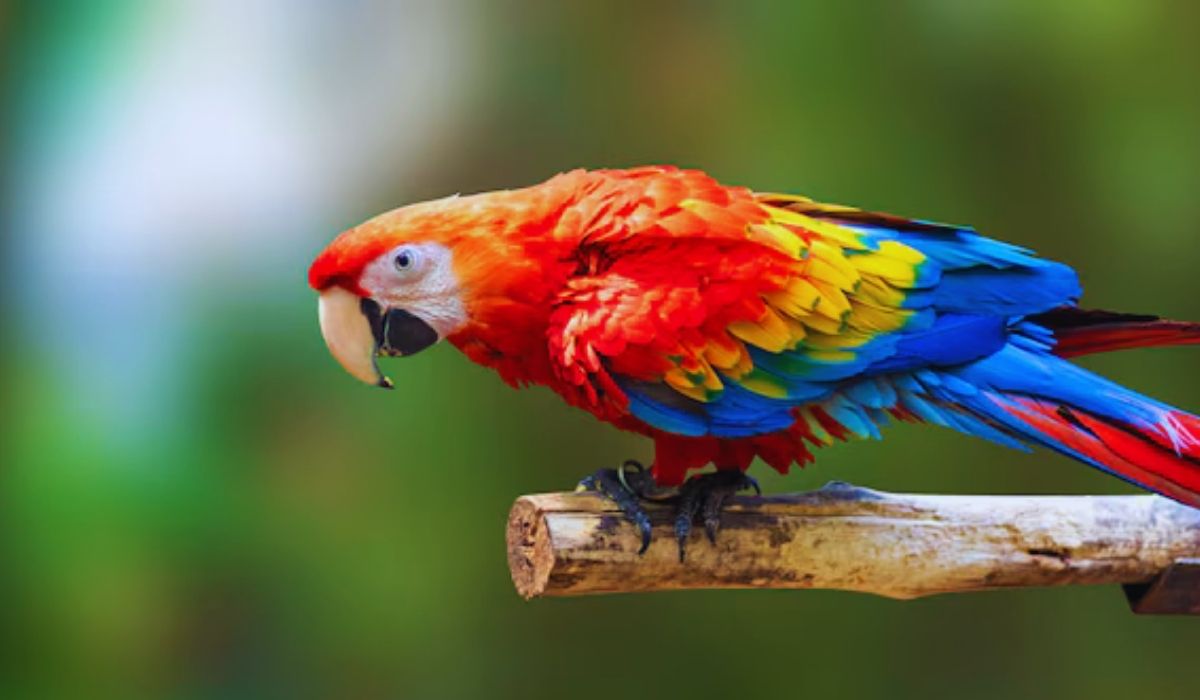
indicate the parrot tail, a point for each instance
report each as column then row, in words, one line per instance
column 1087, row 331
column 1049, row 401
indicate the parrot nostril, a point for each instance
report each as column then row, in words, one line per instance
column 405, row 334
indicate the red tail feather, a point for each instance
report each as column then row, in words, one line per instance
column 1087, row 331
column 1165, row 459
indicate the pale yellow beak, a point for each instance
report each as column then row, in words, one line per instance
column 348, row 334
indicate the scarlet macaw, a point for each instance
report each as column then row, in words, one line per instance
column 728, row 324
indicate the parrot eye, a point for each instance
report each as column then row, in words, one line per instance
column 405, row 260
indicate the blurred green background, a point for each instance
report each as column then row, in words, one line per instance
column 196, row 502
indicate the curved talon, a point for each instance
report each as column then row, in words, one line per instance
column 643, row 526
column 707, row 494
column 714, row 504
column 685, row 512
column 712, row 513
column 612, row 484
column 621, row 473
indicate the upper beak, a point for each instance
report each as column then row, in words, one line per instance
column 351, row 334
column 357, row 331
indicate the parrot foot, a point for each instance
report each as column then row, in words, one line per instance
column 703, row 495
column 627, row 486
column 706, row 495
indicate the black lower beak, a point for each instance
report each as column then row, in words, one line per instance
column 397, row 332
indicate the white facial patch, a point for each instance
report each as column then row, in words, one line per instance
column 419, row 278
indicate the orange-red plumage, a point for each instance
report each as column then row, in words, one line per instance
column 728, row 325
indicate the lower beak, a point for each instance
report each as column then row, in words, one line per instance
column 357, row 331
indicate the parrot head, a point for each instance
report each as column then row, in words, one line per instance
column 390, row 286
column 407, row 279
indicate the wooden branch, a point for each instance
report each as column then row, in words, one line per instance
column 855, row 539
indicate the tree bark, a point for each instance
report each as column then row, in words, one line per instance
column 855, row 539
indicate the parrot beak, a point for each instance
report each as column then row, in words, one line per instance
column 351, row 334
column 357, row 332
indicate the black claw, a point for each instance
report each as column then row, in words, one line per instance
column 637, row 479
column 690, row 500
column 624, row 489
column 713, row 504
column 707, row 494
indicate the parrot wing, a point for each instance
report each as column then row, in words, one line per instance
column 1023, row 392
column 789, row 322
column 785, row 311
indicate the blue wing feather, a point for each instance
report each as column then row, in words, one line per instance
column 980, row 290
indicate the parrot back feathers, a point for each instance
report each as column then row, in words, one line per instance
column 730, row 325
